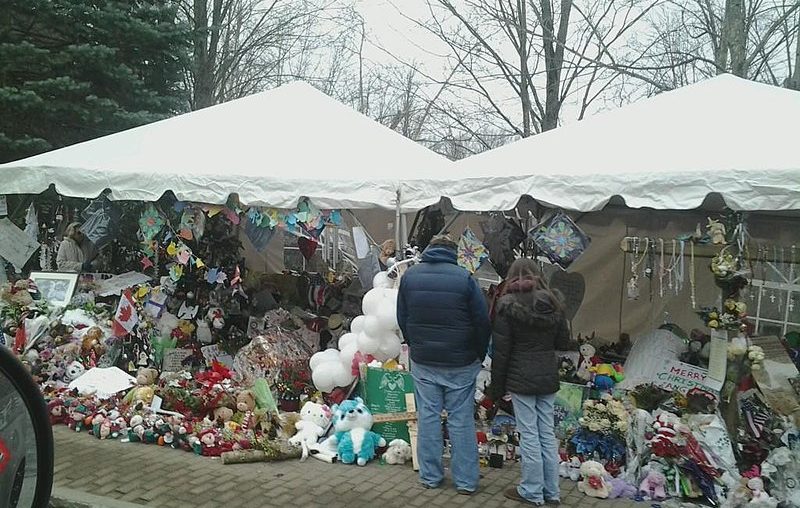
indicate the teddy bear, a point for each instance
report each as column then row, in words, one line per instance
column 354, row 440
column 399, row 452
column 653, row 485
column 144, row 390
column 92, row 341
column 593, row 480
column 74, row 371
column 245, row 401
column 222, row 415
column 315, row 419
column 57, row 411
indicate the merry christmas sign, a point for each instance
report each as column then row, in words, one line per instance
column 682, row 377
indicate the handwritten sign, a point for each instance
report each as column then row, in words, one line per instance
column 173, row 359
column 213, row 353
column 682, row 377
column 718, row 356
column 384, row 391
column 16, row 247
column 117, row 284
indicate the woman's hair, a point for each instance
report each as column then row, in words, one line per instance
column 525, row 276
column 73, row 228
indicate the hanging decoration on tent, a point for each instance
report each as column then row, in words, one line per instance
column 150, row 223
column 560, row 239
column 193, row 223
column 471, row 252
column 501, row 236
column 259, row 236
column 100, row 220
column 307, row 247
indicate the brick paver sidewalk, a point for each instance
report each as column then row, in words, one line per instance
column 154, row 476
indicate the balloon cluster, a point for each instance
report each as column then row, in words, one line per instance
column 374, row 335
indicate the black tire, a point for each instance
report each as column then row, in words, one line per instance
column 43, row 431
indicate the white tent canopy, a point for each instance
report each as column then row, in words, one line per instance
column 725, row 135
column 270, row 148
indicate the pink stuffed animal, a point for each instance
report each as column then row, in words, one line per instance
column 653, row 485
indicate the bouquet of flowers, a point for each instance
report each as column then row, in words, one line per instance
column 605, row 416
column 294, row 379
column 731, row 317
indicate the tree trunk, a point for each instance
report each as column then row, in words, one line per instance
column 794, row 79
column 554, row 59
column 203, row 78
column 524, row 93
column 734, row 40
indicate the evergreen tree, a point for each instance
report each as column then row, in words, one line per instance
column 73, row 70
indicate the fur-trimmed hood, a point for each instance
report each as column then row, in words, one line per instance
column 528, row 307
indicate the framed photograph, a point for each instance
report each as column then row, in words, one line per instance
column 56, row 287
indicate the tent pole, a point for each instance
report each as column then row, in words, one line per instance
column 397, row 232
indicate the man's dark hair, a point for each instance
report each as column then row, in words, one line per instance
column 443, row 241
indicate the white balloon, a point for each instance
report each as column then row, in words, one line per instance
column 382, row 280
column 347, row 354
column 357, row 324
column 324, row 376
column 368, row 344
column 390, row 348
column 387, row 315
column 323, row 356
column 343, row 377
column 371, row 300
column 347, row 339
column 372, row 326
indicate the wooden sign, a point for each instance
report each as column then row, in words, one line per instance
column 573, row 287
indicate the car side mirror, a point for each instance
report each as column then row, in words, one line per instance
column 26, row 438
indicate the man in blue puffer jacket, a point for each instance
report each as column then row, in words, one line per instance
column 445, row 321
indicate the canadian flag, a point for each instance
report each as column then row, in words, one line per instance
column 126, row 317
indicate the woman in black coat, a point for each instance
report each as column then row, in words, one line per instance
column 529, row 327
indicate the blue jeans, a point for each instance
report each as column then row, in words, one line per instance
column 538, row 447
column 452, row 389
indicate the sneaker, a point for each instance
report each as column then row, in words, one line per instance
column 553, row 502
column 513, row 494
column 428, row 486
column 465, row 492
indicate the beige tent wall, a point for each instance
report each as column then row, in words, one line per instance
column 605, row 267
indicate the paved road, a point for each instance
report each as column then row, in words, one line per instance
column 154, row 476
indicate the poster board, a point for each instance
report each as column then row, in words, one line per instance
column 114, row 286
column 384, row 391
column 16, row 246
column 681, row 377
column 568, row 407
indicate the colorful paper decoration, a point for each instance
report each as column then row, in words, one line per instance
column 471, row 252
column 560, row 239
column 150, row 223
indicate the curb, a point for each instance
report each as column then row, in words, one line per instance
column 68, row 498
